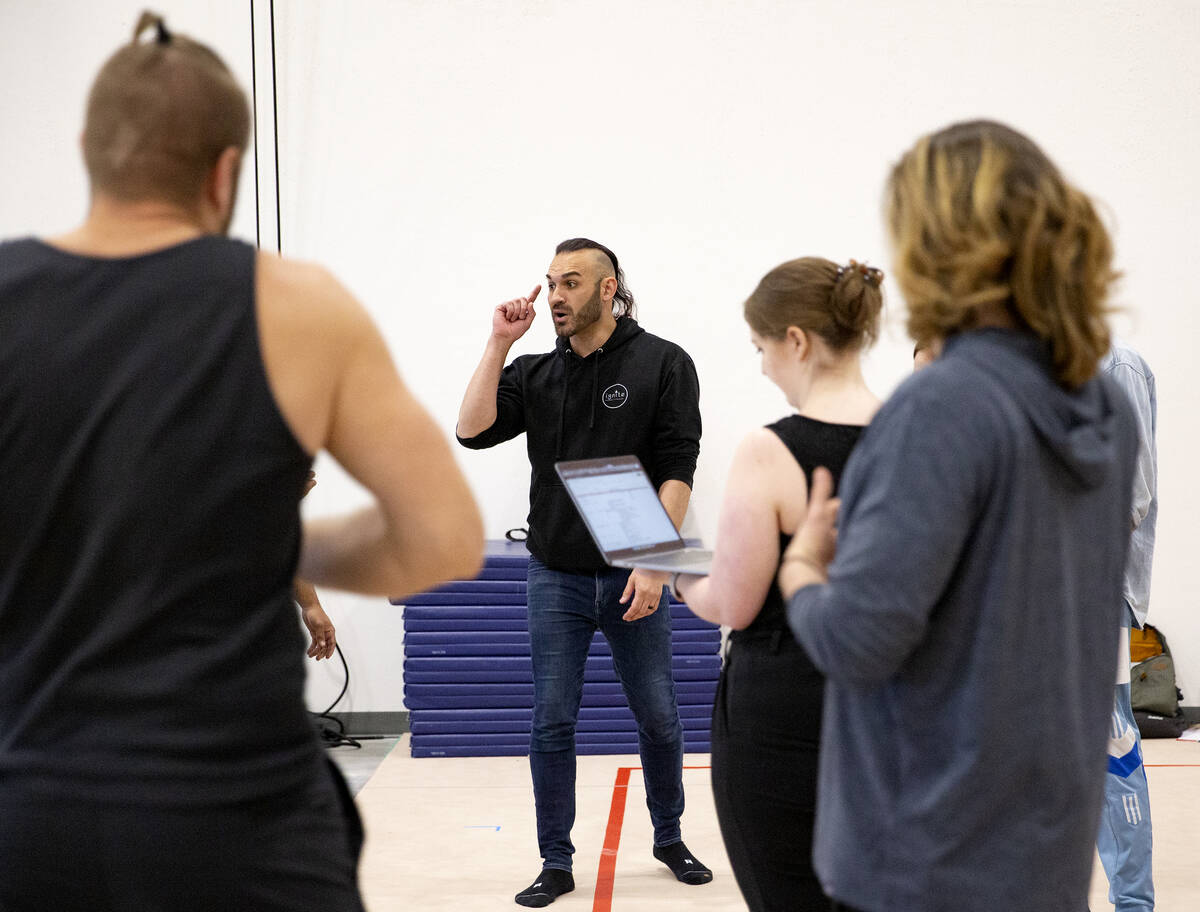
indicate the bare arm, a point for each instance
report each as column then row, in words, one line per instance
column 320, row 628
column 337, row 387
column 765, row 494
column 675, row 497
column 426, row 527
column 509, row 322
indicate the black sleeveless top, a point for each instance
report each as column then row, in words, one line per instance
column 812, row 443
column 149, row 490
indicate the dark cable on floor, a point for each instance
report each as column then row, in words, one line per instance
column 335, row 735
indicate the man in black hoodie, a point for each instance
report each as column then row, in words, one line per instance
column 608, row 388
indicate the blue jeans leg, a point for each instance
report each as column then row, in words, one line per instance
column 641, row 653
column 562, row 621
column 1124, row 841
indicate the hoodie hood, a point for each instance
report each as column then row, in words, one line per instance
column 1079, row 427
column 626, row 329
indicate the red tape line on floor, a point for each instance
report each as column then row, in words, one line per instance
column 1160, row 765
column 602, row 901
column 607, row 872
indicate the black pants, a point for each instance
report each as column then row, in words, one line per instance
column 289, row 854
column 766, row 732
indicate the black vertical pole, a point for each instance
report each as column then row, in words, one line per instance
column 254, row 108
column 275, row 115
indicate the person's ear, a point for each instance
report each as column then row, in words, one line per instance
column 608, row 289
column 798, row 338
column 221, row 187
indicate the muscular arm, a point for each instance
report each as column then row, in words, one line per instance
column 510, row 321
column 338, row 389
column 478, row 410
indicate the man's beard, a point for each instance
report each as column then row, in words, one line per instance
column 588, row 314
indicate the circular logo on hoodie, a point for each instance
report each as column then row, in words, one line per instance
column 614, row 397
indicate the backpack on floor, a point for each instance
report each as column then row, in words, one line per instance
column 1146, row 643
column 1152, row 691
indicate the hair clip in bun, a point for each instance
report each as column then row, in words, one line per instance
column 870, row 275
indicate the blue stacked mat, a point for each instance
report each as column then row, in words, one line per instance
column 468, row 677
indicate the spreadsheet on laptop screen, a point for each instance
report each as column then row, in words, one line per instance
column 622, row 510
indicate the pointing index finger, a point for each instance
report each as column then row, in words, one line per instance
column 533, row 294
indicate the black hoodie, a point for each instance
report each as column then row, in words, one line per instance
column 635, row 394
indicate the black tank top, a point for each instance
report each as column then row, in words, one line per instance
column 149, row 532
column 812, row 443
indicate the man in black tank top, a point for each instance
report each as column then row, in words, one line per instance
column 162, row 392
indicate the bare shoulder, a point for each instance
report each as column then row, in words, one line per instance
column 764, row 469
column 767, row 467
column 762, row 449
column 311, row 330
column 305, row 293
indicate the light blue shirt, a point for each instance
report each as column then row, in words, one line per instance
column 1132, row 374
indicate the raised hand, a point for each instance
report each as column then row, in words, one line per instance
column 815, row 543
column 512, row 318
column 816, row 539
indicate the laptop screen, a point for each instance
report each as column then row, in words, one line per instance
column 618, row 504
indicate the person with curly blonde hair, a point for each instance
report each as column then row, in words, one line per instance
column 965, row 613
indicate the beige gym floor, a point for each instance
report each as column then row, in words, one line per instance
column 458, row 834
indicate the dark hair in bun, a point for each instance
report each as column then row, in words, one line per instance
column 841, row 304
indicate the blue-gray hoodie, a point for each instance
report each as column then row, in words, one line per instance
column 968, row 631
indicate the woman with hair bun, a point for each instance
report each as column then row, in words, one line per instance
column 966, row 613
column 810, row 320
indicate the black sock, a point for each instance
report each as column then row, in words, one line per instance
column 683, row 864
column 549, row 886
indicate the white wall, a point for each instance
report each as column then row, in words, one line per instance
column 433, row 153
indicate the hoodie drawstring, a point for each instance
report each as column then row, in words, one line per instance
column 568, row 357
column 562, row 408
column 595, row 385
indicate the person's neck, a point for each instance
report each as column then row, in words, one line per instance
column 115, row 228
column 995, row 316
column 840, row 395
column 586, row 341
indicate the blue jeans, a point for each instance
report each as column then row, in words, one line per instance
column 1124, row 841
column 565, row 611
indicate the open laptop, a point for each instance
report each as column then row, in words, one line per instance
column 625, row 517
